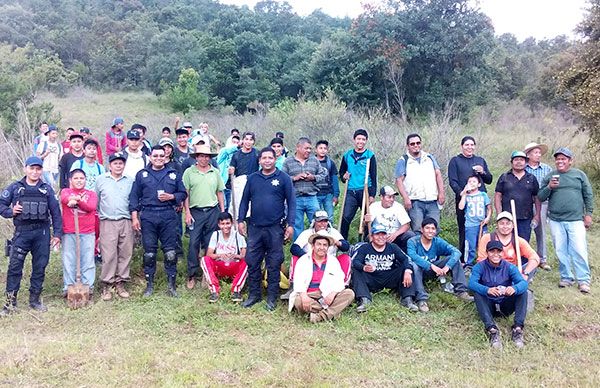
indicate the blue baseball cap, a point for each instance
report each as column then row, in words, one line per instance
column 494, row 244
column 34, row 161
column 117, row 121
column 377, row 227
column 564, row 151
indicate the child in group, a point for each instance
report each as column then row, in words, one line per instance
column 225, row 258
column 478, row 210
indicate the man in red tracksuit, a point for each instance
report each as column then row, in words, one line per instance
column 225, row 258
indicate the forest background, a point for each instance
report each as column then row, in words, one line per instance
column 428, row 66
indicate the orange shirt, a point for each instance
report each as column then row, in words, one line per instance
column 508, row 253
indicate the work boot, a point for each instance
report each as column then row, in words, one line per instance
column 106, row 294
column 363, row 305
column 286, row 296
column 121, row 291
column 172, row 287
column 10, row 305
column 409, row 304
column 423, row 307
column 494, row 336
column 149, row 286
column 35, row 302
column 464, row 296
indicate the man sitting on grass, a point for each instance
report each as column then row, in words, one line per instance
column 500, row 290
column 433, row 257
column 378, row 265
column 225, row 258
column 319, row 282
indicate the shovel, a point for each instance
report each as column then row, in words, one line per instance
column 78, row 294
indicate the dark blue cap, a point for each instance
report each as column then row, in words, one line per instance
column 34, row 161
column 494, row 244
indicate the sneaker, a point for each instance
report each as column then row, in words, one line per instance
column 494, row 336
column 467, row 271
column 213, row 297
column 236, row 297
column 121, row 291
column 191, row 283
column 565, row 283
column 98, row 259
column 423, row 307
column 464, row 296
column 106, row 294
column 517, row 337
column 286, row 296
column 545, row 266
column 584, row 288
column 363, row 305
column 409, row 304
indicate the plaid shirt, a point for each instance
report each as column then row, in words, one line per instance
column 293, row 167
column 540, row 172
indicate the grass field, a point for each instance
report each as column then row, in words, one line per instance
column 162, row 341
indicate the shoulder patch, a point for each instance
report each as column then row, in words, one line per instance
column 145, row 174
column 5, row 194
column 172, row 176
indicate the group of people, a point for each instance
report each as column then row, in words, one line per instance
column 242, row 204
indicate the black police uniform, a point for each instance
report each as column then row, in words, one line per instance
column 158, row 219
column 32, row 234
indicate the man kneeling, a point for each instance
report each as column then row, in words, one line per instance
column 500, row 290
column 319, row 282
column 225, row 258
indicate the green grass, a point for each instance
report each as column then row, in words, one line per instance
column 188, row 342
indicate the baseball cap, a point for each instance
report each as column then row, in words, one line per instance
column 564, row 151
column 133, row 134
column 494, row 244
column 117, row 156
column 518, row 154
column 34, row 161
column 165, row 141
column 387, row 190
column 117, row 121
column 85, row 130
column 182, row 131
column 187, row 124
column 377, row 227
column 76, row 134
column 321, row 215
column 279, row 135
column 51, row 128
column 506, row 215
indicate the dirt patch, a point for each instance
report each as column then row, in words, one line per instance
column 225, row 377
column 570, row 309
column 582, row 331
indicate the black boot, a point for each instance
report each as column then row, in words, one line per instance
column 172, row 286
column 35, row 302
column 10, row 304
column 149, row 286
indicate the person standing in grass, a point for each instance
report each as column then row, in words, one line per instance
column 539, row 170
column 87, row 135
column 319, row 288
column 460, row 168
column 500, row 290
column 50, row 151
column 32, row 205
column 67, row 160
column 329, row 188
column 135, row 159
column 433, row 257
column 90, row 164
column 225, row 258
column 522, row 187
column 378, row 265
column 478, row 210
column 66, row 144
column 243, row 163
column 78, row 202
column 115, row 137
column 116, row 232
column 570, row 206
column 353, row 169
column 419, row 180
column 267, row 193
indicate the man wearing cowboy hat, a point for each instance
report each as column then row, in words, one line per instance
column 319, row 287
column 539, row 170
column 205, row 201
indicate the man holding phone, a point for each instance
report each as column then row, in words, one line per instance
column 570, row 206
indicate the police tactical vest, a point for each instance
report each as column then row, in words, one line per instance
column 34, row 200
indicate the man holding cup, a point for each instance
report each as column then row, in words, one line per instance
column 570, row 206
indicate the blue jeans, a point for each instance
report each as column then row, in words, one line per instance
column 571, row 248
column 524, row 229
column 50, row 178
column 540, row 233
column 421, row 210
column 488, row 309
column 227, row 195
column 326, row 203
column 472, row 237
column 69, row 259
column 458, row 278
column 307, row 204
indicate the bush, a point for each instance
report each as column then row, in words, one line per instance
column 185, row 96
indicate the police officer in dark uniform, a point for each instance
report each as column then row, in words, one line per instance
column 155, row 194
column 30, row 203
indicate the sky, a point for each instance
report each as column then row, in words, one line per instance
column 523, row 18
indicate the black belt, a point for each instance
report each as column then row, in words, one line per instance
column 205, row 208
column 28, row 227
column 306, row 195
column 157, row 208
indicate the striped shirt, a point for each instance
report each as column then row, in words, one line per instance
column 293, row 167
column 539, row 172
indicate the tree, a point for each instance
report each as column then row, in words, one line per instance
column 185, row 95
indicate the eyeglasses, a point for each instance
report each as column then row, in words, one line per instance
column 414, row 143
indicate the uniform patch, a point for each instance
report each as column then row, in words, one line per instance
column 5, row 194
column 172, row 176
column 145, row 174
column 275, row 182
